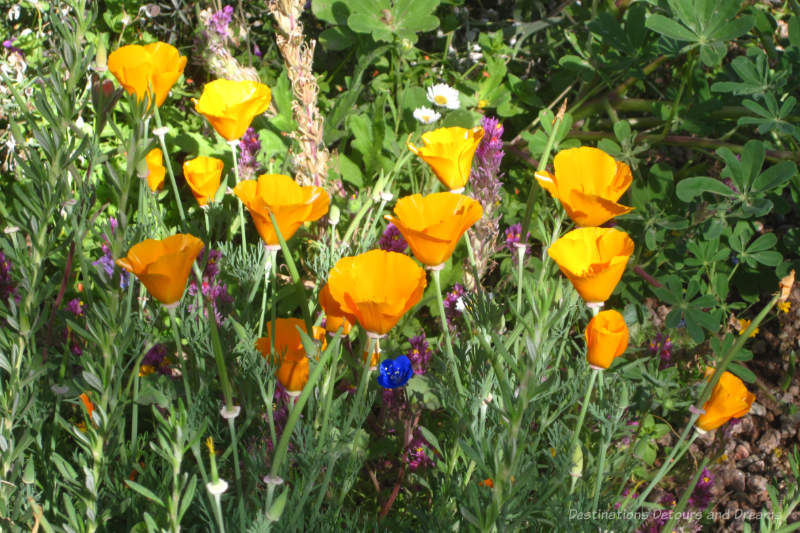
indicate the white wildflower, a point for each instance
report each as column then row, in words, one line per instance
column 443, row 95
column 426, row 115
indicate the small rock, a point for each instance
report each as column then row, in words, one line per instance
column 757, row 484
column 742, row 451
column 756, row 466
column 757, row 409
column 769, row 440
column 734, row 479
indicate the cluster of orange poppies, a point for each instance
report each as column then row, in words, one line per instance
column 587, row 181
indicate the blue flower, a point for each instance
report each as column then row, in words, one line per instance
column 395, row 373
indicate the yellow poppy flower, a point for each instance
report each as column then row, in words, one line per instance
column 376, row 288
column 449, row 153
column 729, row 399
column 163, row 266
column 588, row 182
column 606, row 338
column 203, row 174
column 291, row 204
column 334, row 316
column 593, row 259
column 230, row 106
column 155, row 169
column 155, row 66
column 433, row 224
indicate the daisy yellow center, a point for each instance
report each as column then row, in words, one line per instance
column 440, row 99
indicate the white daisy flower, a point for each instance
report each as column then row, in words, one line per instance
column 443, row 95
column 426, row 115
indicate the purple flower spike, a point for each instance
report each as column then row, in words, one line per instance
column 420, row 354
column 392, row 240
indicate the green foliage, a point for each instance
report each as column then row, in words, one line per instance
column 697, row 97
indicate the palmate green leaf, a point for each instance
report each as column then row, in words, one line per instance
column 690, row 188
column 383, row 19
column 775, row 177
column 743, row 372
column 669, row 28
column 733, row 29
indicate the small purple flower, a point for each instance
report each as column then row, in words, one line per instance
column 392, row 240
column 485, row 178
column 75, row 306
column 701, row 495
column 451, row 304
column 250, row 145
column 514, row 236
column 8, row 286
column 156, row 358
column 393, row 401
column 417, row 456
column 210, row 288
column 8, row 44
column 221, row 19
column 106, row 263
column 257, row 51
column 395, row 373
column 420, row 354
column 663, row 347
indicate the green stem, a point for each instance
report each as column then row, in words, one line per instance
column 526, row 220
column 233, row 145
column 731, row 353
column 678, row 510
column 294, row 415
column 179, row 347
column 272, row 257
column 221, row 368
column 446, row 332
column 584, row 407
column 521, row 249
column 671, row 460
column 472, row 262
column 168, row 164
column 298, row 283
column 237, row 472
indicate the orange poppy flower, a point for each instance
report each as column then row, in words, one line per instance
column 606, row 338
column 155, row 169
column 291, row 204
column 593, row 259
column 588, row 182
column 155, row 66
column 230, row 106
column 203, row 174
column 163, row 266
column 334, row 316
column 433, row 224
column 449, row 153
column 729, row 399
column 486, row 483
column 87, row 403
column 373, row 361
column 376, row 288
column 293, row 369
